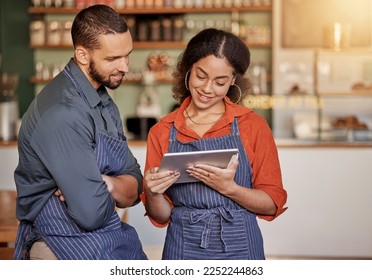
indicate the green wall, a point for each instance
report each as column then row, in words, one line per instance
column 1, row 33
column 16, row 55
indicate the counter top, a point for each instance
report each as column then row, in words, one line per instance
column 13, row 143
column 295, row 143
column 8, row 143
column 8, row 220
column 281, row 143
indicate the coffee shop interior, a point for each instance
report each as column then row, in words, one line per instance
column 311, row 77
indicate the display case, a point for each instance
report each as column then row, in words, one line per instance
column 343, row 88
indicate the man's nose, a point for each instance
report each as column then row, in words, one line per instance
column 123, row 65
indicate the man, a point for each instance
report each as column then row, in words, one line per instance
column 74, row 162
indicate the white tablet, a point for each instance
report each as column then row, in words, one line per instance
column 181, row 161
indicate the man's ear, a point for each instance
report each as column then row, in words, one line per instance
column 82, row 55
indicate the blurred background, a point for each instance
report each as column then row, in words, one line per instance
column 311, row 76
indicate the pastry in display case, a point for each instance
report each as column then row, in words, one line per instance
column 350, row 128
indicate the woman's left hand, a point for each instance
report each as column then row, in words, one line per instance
column 217, row 178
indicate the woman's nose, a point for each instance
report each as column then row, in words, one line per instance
column 208, row 87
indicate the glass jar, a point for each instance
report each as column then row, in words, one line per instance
column 54, row 34
column 66, row 33
column 37, row 33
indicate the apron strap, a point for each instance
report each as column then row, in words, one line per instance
column 225, row 216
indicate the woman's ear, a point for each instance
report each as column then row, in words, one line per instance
column 233, row 80
column 82, row 55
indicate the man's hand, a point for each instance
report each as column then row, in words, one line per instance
column 59, row 194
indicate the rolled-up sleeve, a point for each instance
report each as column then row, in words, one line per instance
column 265, row 163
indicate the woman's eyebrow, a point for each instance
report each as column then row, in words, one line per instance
column 218, row 77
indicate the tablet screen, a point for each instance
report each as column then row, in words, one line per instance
column 181, row 161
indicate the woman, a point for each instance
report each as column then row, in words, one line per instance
column 214, row 218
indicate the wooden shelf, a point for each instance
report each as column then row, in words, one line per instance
column 159, row 45
column 34, row 80
column 258, row 45
column 347, row 94
column 57, row 47
column 170, row 10
column 136, row 45
column 145, row 45
column 37, row 81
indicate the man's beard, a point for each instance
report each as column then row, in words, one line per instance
column 96, row 76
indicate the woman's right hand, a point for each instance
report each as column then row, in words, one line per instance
column 158, row 182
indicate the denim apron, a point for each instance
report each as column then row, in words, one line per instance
column 114, row 240
column 205, row 224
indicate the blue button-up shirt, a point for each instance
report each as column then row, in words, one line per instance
column 56, row 150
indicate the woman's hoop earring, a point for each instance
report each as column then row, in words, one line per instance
column 186, row 80
column 240, row 93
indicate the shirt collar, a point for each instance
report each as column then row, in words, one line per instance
column 232, row 110
column 103, row 94
column 90, row 93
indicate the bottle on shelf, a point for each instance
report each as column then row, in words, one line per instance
column 148, row 105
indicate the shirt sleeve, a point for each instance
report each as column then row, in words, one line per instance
column 263, row 154
column 63, row 142
column 156, row 146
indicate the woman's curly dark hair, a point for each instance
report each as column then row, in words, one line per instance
column 221, row 44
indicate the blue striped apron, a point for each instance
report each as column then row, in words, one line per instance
column 205, row 224
column 113, row 241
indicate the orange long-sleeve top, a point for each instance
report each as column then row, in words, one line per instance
column 256, row 137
